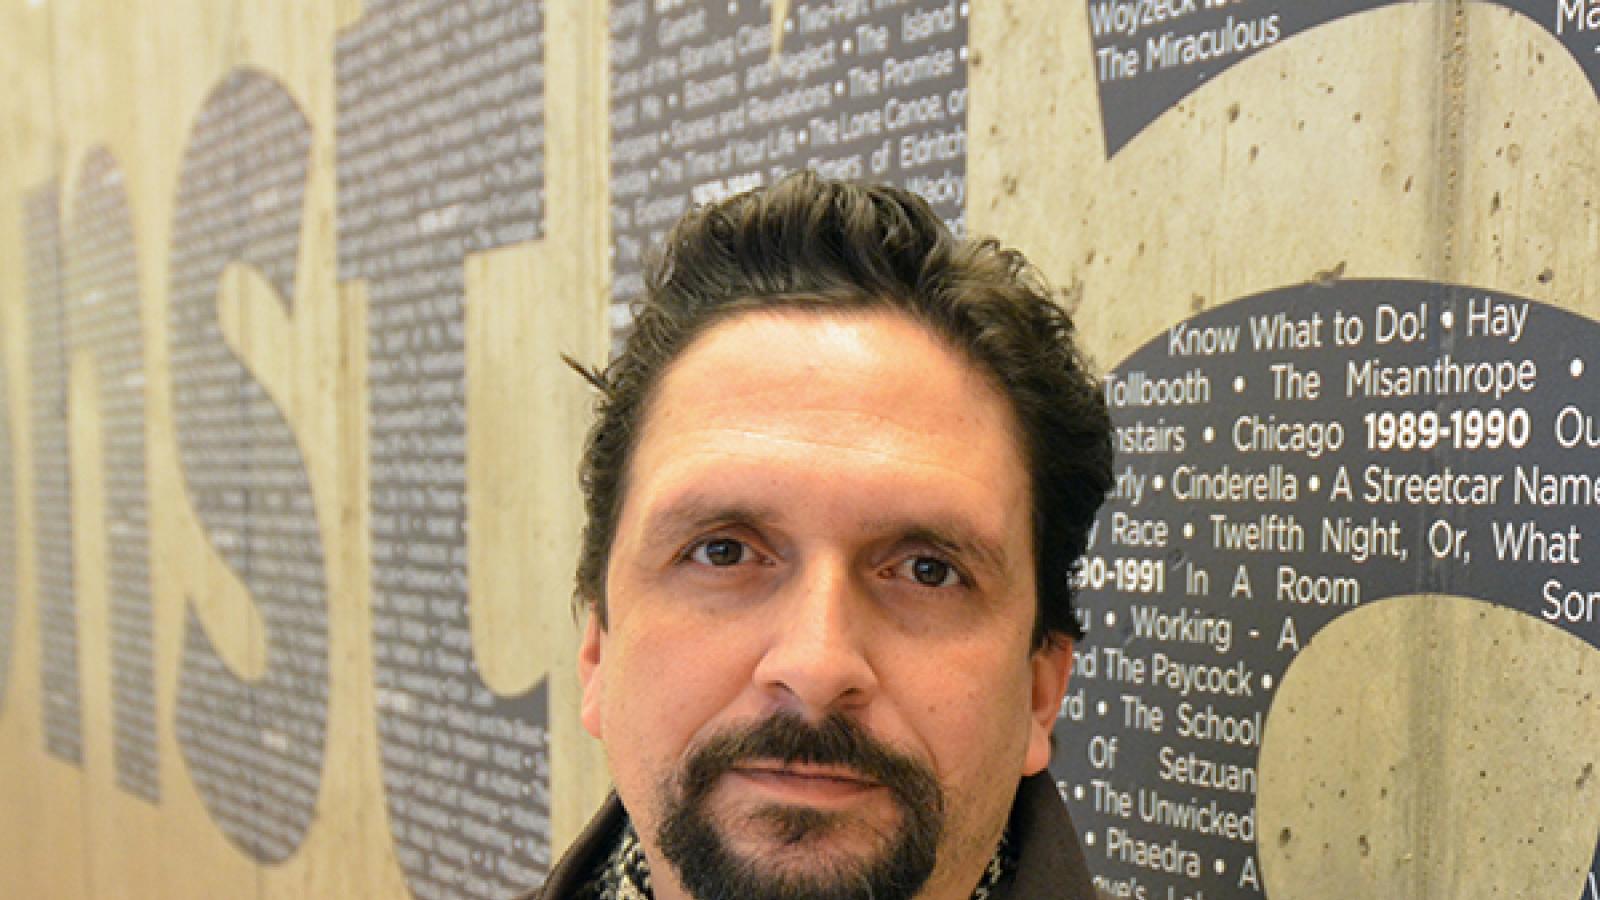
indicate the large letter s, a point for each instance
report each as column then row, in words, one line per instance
column 254, row 747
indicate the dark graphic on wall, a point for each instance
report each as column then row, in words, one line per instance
column 10, row 581
column 441, row 155
column 254, row 747
column 1150, row 54
column 702, row 107
column 103, row 319
column 1283, row 460
column 52, row 483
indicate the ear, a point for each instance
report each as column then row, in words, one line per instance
column 590, row 653
column 1052, row 666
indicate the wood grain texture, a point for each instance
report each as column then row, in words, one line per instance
column 1440, row 141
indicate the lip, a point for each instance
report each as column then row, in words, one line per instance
column 806, row 784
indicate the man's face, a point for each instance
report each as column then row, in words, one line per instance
column 825, row 538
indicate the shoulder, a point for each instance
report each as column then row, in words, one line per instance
column 579, row 863
column 1050, row 861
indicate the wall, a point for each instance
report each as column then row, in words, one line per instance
column 287, row 507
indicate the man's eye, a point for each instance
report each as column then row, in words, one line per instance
column 930, row 571
column 720, row 552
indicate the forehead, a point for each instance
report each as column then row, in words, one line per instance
column 771, row 401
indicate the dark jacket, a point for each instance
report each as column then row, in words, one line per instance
column 1050, row 862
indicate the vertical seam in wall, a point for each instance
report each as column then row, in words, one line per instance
column 592, row 170
column 597, row 97
column 57, row 180
column 1433, row 873
column 1444, row 838
column 232, row 60
column 1454, row 115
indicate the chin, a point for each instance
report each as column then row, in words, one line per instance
column 781, row 852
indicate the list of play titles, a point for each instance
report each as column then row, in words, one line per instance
column 1283, row 460
column 708, row 99
column 1147, row 55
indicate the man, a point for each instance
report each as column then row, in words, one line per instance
column 839, row 478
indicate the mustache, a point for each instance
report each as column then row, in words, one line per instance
column 837, row 740
column 697, row 844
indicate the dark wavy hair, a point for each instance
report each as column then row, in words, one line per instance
column 812, row 244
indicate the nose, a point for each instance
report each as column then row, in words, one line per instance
column 816, row 661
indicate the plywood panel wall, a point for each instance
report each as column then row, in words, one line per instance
column 288, row 507
column 222, row 124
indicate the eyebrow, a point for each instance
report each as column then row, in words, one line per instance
column 695, row 513
column 955, row 539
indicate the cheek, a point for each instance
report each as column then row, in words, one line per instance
column 974, row 718
column 667, row 686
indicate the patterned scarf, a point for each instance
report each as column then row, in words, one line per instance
column 626, row 874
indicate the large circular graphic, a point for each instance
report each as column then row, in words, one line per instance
column 1286, row 460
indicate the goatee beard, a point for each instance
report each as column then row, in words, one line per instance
column 708, row 867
